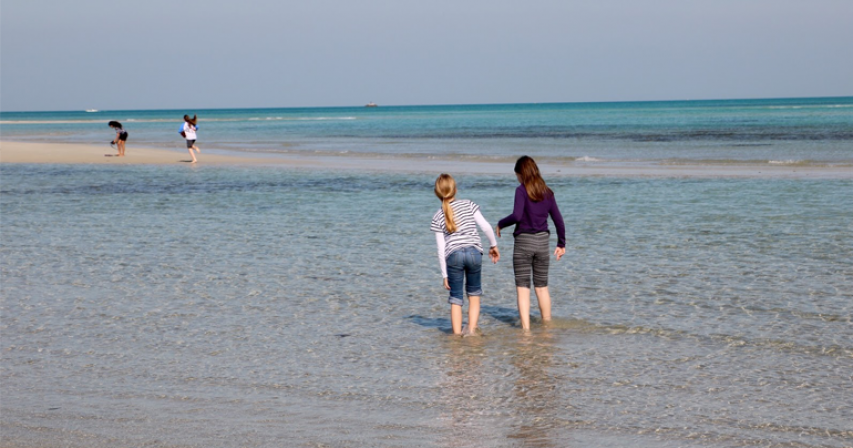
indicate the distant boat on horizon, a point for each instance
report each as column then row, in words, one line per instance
column 91, row 110
column 371, row 104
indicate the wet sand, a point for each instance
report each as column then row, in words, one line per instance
column 62, row 153
column 68, row 153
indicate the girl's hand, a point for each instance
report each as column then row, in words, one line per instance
column 446, row 284
column 494, row 254
column 559, row 252
column 497, row 231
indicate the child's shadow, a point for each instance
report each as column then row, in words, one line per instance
column 501, row 314
column 506, row 315
column 440, row 323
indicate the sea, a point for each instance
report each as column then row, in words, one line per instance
column 800, row 131
column 279, row 306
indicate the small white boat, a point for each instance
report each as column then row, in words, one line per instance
column 371, row 104
column 91, row 110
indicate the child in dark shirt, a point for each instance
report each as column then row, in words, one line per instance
column 121, row 137
column 534, row 203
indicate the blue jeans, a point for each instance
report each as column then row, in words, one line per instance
column 464, row 264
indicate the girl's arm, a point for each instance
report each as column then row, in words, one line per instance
column 439, row 241
column 517, row 209
column 494, row 254
column 557, row 217
column 481, row 221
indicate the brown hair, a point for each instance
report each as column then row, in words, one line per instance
column 192, row 120
column 445, row 189
column 537, row 190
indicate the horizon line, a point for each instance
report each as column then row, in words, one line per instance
column 441, row 105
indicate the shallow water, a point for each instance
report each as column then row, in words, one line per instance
column 783, row 131
column 220, row 307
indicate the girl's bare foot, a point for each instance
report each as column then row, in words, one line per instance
column 468, row 332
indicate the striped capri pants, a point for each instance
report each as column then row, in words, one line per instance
column 531, row 255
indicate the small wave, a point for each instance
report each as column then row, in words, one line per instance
column 751, row 162
column 325, row 118
column 295, row 119
column 265, row 118
column 588, row 159
column 813, row 106
column 786, row 162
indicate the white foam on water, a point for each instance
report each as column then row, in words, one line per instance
column 784, row 162
column 588, row 159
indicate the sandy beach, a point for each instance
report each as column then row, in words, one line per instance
column 69, row 153
column 62, row 153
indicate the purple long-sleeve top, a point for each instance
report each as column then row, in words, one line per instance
column 532, row 217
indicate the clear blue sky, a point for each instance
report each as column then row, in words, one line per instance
column 153, row 54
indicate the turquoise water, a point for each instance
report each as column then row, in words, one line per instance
column 266, row 307
column 803, row 131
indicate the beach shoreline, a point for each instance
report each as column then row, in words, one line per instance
column 12, row 152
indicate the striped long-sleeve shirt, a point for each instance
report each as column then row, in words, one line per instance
column 467, row 217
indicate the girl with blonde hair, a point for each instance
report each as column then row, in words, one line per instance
column 534, row 203
column 460, row 252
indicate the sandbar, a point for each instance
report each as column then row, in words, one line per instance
column 69, row 153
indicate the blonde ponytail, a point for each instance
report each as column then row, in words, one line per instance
column 445, row 189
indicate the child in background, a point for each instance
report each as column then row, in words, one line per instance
column 121, row 137
column 460, row 252
column 534, row 202
column 188, row 132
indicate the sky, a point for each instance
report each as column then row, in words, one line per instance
column 193, row 54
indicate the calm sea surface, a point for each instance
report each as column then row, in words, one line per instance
column 204, row 306
column 801, row 131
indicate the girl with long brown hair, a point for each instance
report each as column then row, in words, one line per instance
column 534, row 203
column 460, row 253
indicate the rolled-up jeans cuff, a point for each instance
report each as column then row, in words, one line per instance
column 455, row 301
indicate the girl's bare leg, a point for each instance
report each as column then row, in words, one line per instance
column 192, row 154
column 196, row 148
column 523, row 306
column 544, row 298
column 456, row 318
column 121, row 148
column 473, row 313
